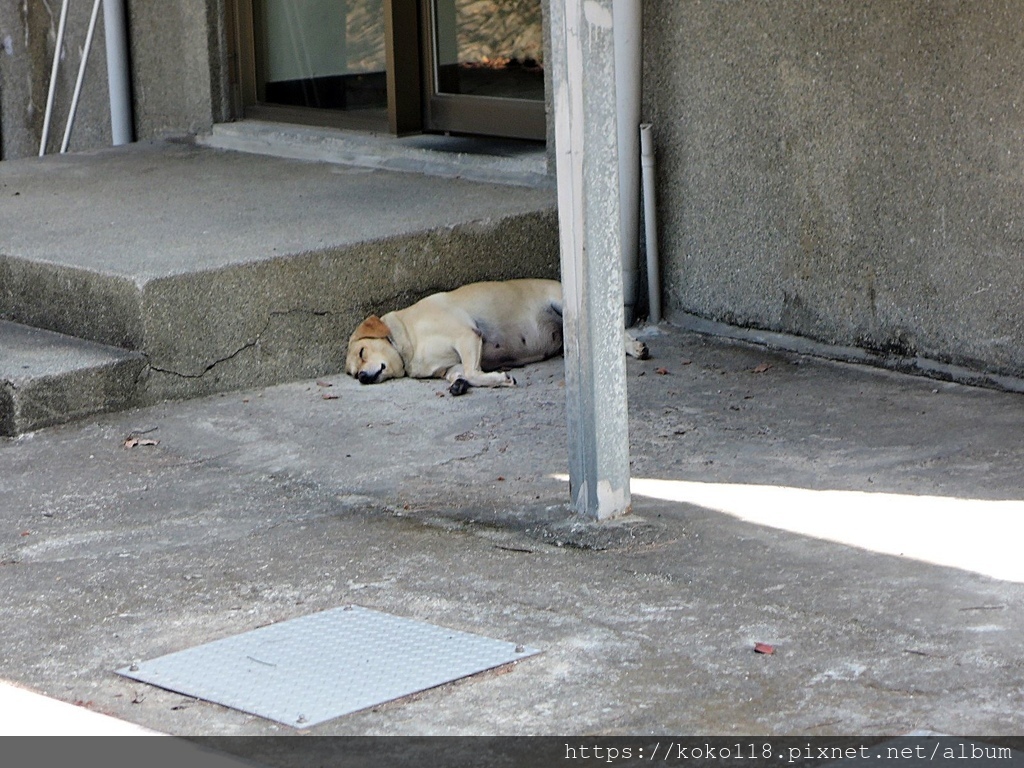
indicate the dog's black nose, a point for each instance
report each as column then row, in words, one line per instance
column 365, row 377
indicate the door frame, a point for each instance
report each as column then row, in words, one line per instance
column 401, row 42
column 485, row 115
column 413, row 104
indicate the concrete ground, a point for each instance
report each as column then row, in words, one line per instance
column 863, row 523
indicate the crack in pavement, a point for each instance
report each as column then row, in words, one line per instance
column 248, row 345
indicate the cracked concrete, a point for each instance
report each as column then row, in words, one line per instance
column 246, row 346
column 229, row 270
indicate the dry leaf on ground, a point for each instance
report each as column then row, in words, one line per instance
column 134, row 442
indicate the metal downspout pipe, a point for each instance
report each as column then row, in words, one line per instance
column 650, row 223
column 118, row 78
column 627, row 27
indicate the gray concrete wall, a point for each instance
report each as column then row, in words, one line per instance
column 178, row 61
column 178, row 65
column 28, row 34
column 846, row 170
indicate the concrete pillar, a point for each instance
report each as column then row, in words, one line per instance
column 586, row 154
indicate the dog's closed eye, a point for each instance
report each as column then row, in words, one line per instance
column 362, row 353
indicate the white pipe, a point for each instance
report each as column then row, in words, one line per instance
column 118, row 81
column 81, row 77
column 650, row 222
column 627, row 27
column 53, row 77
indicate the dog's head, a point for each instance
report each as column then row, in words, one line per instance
column 372, row 358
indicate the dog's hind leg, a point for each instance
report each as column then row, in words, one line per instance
column 468, row 373
column 633, row 346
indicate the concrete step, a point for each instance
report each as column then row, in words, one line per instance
column 229, row 270
column 48, row 378
column 494, row 161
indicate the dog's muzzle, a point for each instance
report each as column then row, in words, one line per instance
column 365, row 377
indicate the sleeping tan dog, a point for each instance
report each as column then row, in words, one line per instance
column 465, row 335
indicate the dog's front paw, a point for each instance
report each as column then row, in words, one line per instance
column 509, row 381
column 459, row 387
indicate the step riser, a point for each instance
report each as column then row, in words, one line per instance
column 101, row 308
column 48, row 378
column 267, row 321
column 60, row 399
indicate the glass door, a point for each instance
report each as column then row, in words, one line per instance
column 404, row 66
column 321, row 55
column 484, row 67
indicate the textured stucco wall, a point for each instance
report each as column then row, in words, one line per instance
column 846, row 170
column 28, row 34
column 178, row 58
column 178, row 61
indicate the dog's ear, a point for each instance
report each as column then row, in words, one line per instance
column 371, row 328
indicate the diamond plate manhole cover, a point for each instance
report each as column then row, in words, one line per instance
column 315, row 668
